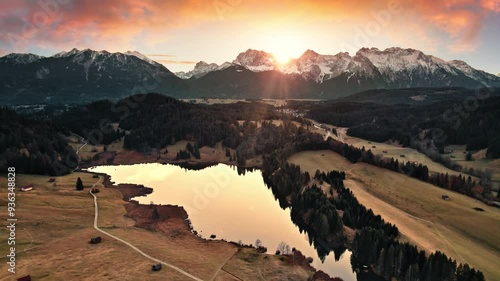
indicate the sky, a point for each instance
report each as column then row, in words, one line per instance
column 179, row 33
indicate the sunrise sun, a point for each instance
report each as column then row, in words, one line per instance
column 282, row 57
column 284, row 45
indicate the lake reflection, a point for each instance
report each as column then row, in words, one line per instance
column 221, row 202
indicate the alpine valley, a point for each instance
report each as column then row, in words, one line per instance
column 80, row 76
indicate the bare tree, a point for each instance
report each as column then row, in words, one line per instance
column 258, row 243
column 283, row 249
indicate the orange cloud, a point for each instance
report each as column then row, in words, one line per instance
column 492, row 5
column 176, row 61
column 459, row 20
column 115, row 23
column 124, row 24
column 160, row 55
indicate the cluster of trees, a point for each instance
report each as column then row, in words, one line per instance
column 355, row 215
column 33, row 147
column 462, row 185
column 402, row 261
column 311, row 210
column 154, row 121
column 157, row 122
column 93, row 121
column 183, row 154
column 456, row 183
column 188, row 151
column 375, row 244
column 355, row 154
column 284, row 249
column 321, row 213
column 436, row 124
column 193, row 149
column 284, row 178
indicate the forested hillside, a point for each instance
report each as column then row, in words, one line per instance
column 33, row 147
column 375, row 245
column 155, row 121
column 475, row 123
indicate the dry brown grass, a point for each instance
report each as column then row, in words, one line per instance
column 215, row 154
column 247, row 264
column 479, row 162
column 395, row 151
column 88, row 151
column 424, row 219
column 55, row 224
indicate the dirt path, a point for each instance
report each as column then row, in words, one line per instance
column 220, row 268
column 129, row 244
column 78, row 150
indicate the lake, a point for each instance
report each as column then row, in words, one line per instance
column 233, row 207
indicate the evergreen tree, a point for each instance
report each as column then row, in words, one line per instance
column 155, row 216
column 196, row 151
column 79, row 184
column 189, row 147
column 240, row 159
column 468, row 156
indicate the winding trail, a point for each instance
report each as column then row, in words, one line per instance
column 130, row 245
column 84, row 144
column 96, row 208
column 220, row 268
column 78, row 150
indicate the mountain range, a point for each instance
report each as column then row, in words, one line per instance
column 87, row 75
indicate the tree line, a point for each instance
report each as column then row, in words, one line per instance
column 427, row 127
column 390, row 259
column 375, row 244
column 458, row 183
column 33, row 147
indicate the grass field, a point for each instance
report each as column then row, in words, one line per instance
column 215, row 154
column 479, row 162
column 55, row 224
column 88, row 151
column 395, row 151
column 423, row 218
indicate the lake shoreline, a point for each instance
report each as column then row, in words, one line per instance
column 129, row 157
column 164, row 218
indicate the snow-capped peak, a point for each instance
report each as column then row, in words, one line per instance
column 317, row 67
column 470, row 72
column 76, row 52
column 256, row 61
column 141, row 56
column 394, row 59
column 200, row 70
column 224, row 65
column 310, row 54
column 16, row 58
column 395, row 63
column 66, row 54
column 201, row 65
